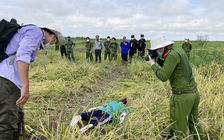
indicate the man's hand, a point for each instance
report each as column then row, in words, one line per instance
column 90, row 52
column 150, row 62
column 141, row 51
column 24, row 96
column 116, row 53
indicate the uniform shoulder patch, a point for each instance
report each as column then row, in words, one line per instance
column 165, row 54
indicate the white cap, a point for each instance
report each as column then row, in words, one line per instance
column 61, row 39
column 159, row 42
column 186, row 38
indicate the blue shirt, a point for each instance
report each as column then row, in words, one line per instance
column 114, row 109
column 125, row 47
column 27, row 40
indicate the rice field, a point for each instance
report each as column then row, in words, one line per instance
column 68, row 88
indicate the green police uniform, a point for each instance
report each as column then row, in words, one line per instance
column 69, row 50
column 107, row 51
column 56, row 47
column 183, row 107
column 89, row 45
column 187, row 48
column 113, row 47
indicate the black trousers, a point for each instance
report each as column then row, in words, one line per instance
column 9, row 111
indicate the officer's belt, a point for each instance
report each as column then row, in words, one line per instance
column 185, row 92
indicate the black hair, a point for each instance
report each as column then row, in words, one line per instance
column 108, row 36
column 114, row 38
column 13, row 20
column 97, row 35
column 87, row 37
column 124, row 101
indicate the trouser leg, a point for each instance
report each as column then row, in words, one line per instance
column 91, row 56
column 188, row 55
column 68, row 52
column 100, row 56
column 9, row 94
column 87, row 55
column 194, row 124
column 180, row 108
column 96, row 54
column 72, row 55
column 19, row 124
column 105, row 55
column 61, row 53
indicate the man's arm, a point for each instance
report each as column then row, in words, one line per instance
column 168, row 67
column 23, row 69
column 117, row 49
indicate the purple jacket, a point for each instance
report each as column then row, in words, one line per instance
column 27, row 40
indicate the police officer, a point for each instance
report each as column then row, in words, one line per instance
column 185, row 99
column 69, row 48
column 107, row 51
column 133, row 47
column 114, row 47
column 56, row 47
column 141, row 46
column 187, row 47
column 89, row 49
column 63, row 51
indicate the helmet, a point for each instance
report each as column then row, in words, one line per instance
column 159, row 42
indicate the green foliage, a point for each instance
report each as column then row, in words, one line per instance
column 202, row 40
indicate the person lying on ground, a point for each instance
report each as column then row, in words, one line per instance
column 104, row 114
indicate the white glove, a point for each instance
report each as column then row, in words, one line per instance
column 150, row 62
column 122, row 117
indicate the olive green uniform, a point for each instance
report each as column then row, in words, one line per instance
column 89, row 45
column 183, row 107
column 113, row 47
column 187, row 48
column 107, row 51
column 69, row 50
column 56, row 47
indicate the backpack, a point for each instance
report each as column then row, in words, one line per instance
column 7, row 30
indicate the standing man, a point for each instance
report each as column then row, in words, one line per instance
column 98, row 47
column 142, row 44
column 69, row 48
column 56, row 47
column 125, row 46
column 107, row 51
column 89, row 49
column 14, row 77
column 185, row 99
column 113, row 49
column 187, row 47
column 133, row 47
column 63, row 51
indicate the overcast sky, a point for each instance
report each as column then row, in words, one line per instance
column 174, row 19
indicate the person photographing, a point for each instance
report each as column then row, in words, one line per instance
column 185, row 99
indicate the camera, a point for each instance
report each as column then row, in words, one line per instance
column 152, row 54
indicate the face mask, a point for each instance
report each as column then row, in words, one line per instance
column 132, row 38
column 113, row 41
column 87, row 40
column 185, row 40
column 48, row 45
column 159, row 54
column 69, row 39
column 141, row 37
column 108, row 39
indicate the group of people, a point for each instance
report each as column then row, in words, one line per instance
column 112, row 48
column 173, row 65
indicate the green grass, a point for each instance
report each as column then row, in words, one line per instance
column 69, row 88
